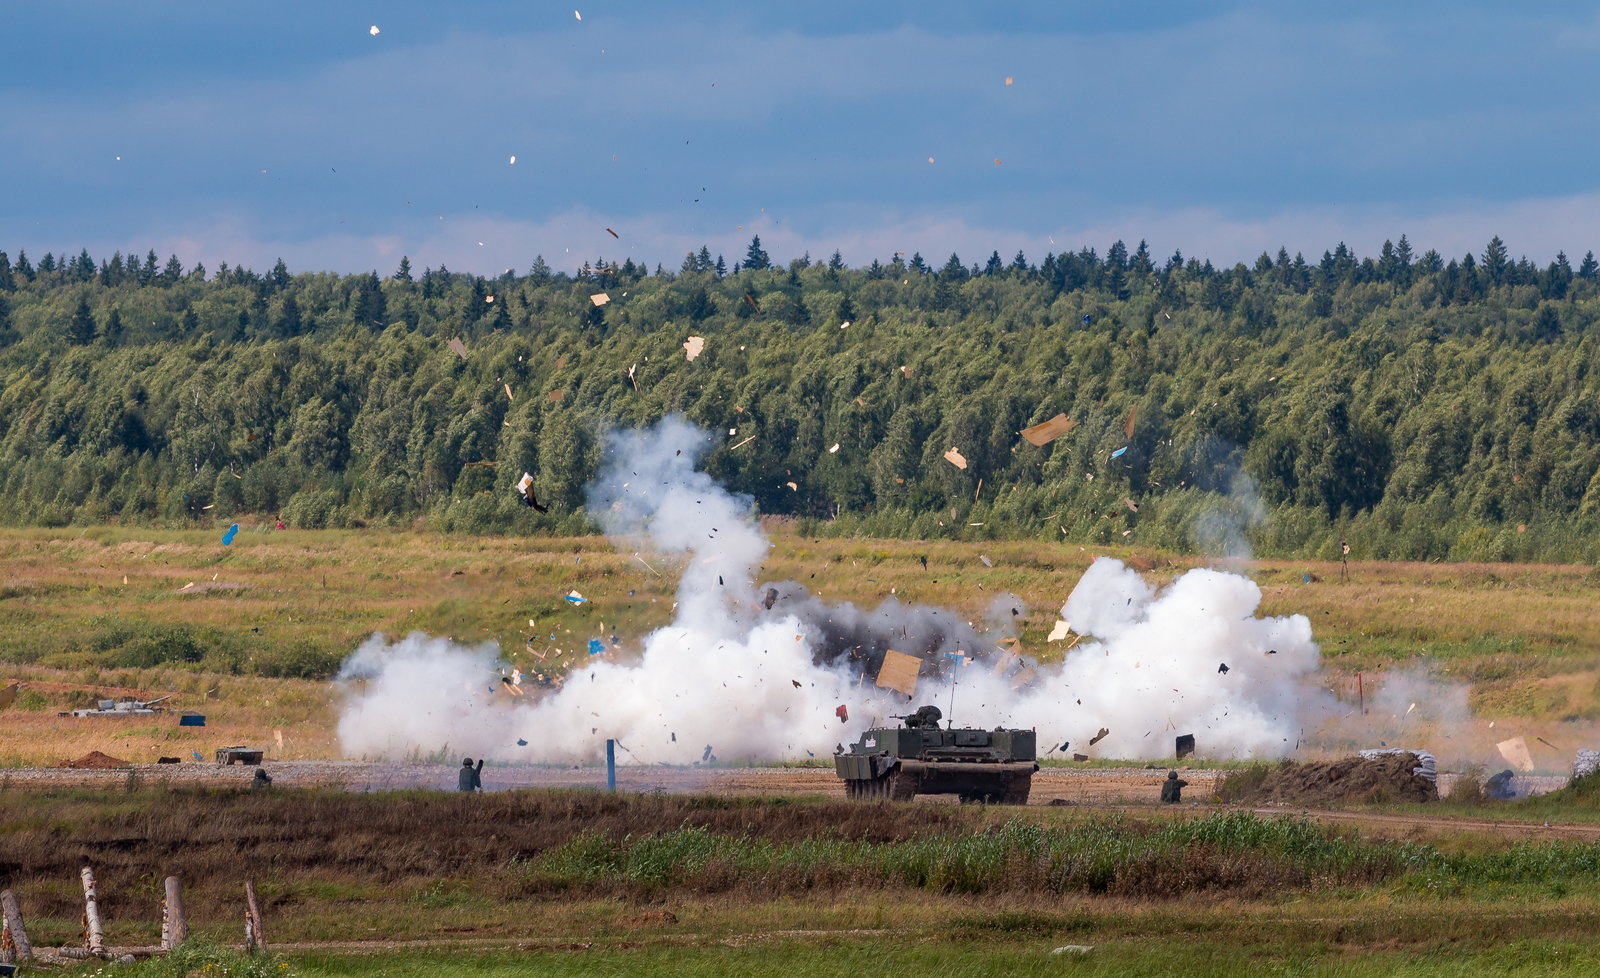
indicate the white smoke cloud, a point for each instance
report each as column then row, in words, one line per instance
column 760, row 683
column 1154, row 670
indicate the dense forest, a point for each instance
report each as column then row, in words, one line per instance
column 1417, row 406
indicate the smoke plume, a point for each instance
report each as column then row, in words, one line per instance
column 757, row 675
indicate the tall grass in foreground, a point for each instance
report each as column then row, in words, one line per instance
column 1223, row 851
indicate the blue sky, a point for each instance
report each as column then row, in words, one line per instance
column 249, row 132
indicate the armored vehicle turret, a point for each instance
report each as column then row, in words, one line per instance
column 919, row 758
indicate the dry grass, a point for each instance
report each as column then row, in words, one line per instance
column 1526, row 638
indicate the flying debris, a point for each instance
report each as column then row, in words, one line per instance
column 1049, row 431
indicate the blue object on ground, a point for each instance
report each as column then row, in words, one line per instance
column 227, row 538
column 191, row 720
column 1118, row 452
column 596, row 646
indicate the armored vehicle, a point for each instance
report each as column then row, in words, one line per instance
column 919, row 758
column 121, row 708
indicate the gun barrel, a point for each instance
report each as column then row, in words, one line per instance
column 161, row 700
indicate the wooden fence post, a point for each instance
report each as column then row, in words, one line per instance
column 253, row 935
column 14, row 941
column 174, row 930
column 94, row 933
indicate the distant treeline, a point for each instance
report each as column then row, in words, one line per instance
column 1416, row 406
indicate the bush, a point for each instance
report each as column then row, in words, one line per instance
column 303, row 660
column 1242, row 782
column 213, row 961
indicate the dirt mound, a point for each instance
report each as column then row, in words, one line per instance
column 1387, row 777
column 95, row 761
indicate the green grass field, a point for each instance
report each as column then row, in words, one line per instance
column 582, row 883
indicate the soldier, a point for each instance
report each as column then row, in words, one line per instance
column 261, row 780
column 1500, row 786
column 1172, row 788
column 926, row 717
column 470, row 778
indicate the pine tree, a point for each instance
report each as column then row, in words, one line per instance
column 280, row 277
column 80, row 328
column 369, row 308
column 1019, row 264
column 953, row 269
column 1116, row 280
column 151, row 266
column 1387, row 263
column 1174, row 263
column 539, row 271
column 1403, row 253
column 754, row 257
column 26, row 270
column 1141, row 262
column 8, row 282
column 702, row 261
column 994, row 264
column 1494, row 259
column 1117, row 256
column 836, row 262
column 722, row 269
column 111, row 332
column 918, row 265
column 289, row 317
column 1585, row 270
column 47, row 264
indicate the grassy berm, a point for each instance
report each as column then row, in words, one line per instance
column 589, row 883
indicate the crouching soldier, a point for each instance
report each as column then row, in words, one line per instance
column 1172, row 789
column 470, row 778
column 261, row 780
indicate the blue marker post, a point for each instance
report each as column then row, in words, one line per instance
column 611, row 765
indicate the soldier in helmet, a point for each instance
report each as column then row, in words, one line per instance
column 926, row 717
column 1172, row 788
column 261, row 780
column 470, row 778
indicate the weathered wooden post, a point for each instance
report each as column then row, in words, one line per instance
column 253, row 936
column 174, row 930
column 94, row 933
column 14, row 946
